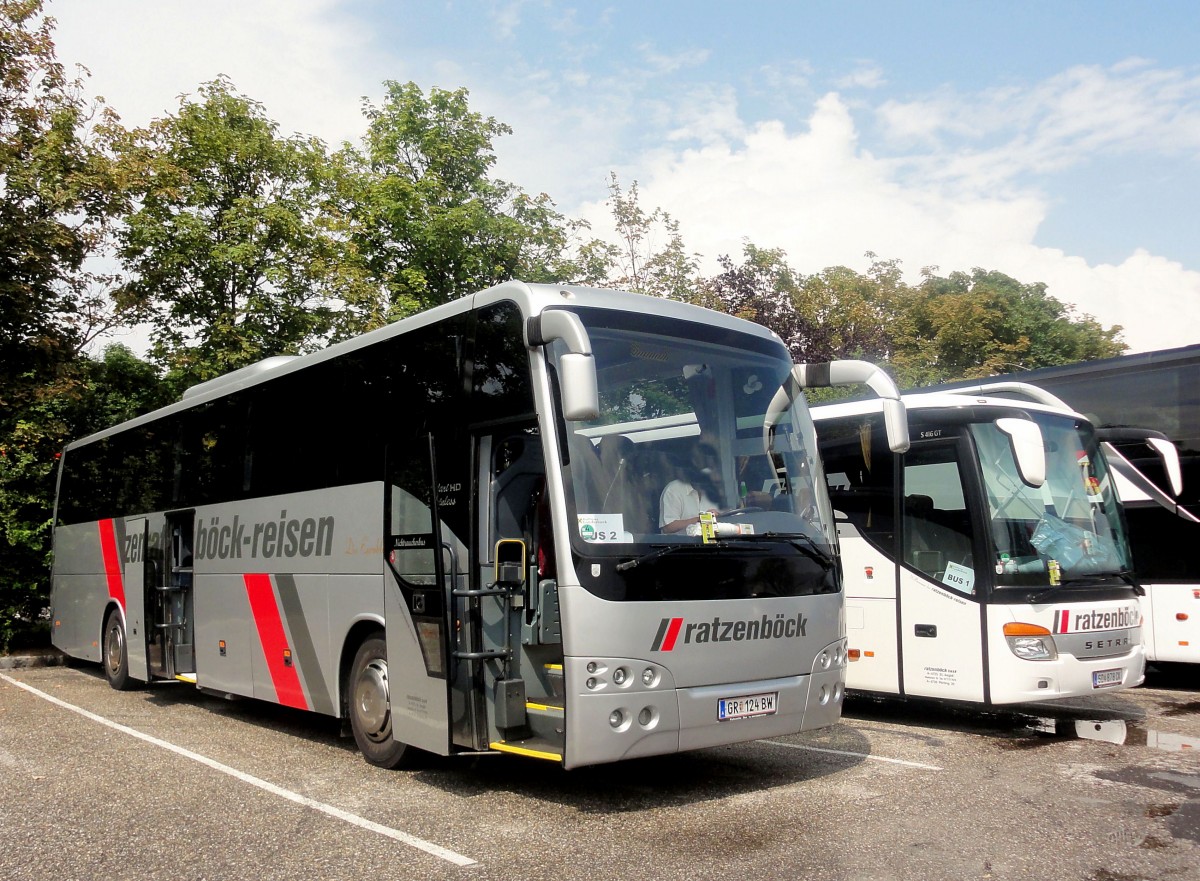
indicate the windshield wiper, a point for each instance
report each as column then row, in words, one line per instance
column 801, row 541
column 1125, row 575
column 662, row 551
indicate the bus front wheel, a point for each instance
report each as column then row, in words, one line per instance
column 116, row 653
column 371, row 705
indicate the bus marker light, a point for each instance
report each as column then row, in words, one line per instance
column 1019, row 629
column 868, row 654
column 1181, row 616
column 853, row 654
column 287, row 657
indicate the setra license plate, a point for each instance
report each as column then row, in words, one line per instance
column 1106, row 678
column 747, row 705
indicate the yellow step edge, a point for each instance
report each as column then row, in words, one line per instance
column 186, row 677
column 545, row 708
column 501, row 746
column 557, row 667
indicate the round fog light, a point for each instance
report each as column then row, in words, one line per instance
column 649, row 677
column 616, row 718
column 591, row 683
column 645, row 717
column 592, row 667
column 620, row 675
column 825, row 660
column 823, row 696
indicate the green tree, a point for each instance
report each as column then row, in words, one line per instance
column 428, row 219
column 58, row 194
column 235, row 250
column 979, row 324
column 650, row 256
column 835, row 313
column 93, row 395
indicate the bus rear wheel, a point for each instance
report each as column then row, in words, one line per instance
column 116, row 653
column 371, row 705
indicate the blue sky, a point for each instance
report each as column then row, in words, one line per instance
column 1056, row 141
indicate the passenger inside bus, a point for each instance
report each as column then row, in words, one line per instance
column 693, row 489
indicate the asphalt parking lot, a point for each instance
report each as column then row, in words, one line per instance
column 170, row 782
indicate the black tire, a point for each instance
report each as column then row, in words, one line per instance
column 369, row 705
column 114, row 655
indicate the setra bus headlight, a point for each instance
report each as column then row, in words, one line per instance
column 1030, row 642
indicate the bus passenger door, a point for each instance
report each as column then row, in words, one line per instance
column 423, row 558
column 940, row 615
column 513, row 669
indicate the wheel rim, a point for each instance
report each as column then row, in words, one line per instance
column 371, row 701
column 115, row 647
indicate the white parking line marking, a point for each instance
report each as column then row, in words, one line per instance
column 363, row 823
column 840, row 752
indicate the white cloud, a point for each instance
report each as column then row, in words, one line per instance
column 823, row 199
column 865, row 76
column 288, row 54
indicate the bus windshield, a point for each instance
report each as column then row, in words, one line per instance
column 1067, row 530
column 680, row 432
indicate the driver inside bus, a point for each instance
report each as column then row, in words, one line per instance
column 693, row 489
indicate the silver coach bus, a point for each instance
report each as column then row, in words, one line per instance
column 450, row 532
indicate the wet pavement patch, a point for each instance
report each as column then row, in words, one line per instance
column 1166, row 781
column 1185, row 823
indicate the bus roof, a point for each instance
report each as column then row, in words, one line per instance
column 532, row 298
column 931, row 400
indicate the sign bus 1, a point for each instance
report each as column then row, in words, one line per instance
column 988, row 563
column 448, row 532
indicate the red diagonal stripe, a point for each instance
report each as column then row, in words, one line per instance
column 112, row 562
column 274, row 641
column 672, row 634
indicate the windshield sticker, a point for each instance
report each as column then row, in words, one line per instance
column 959, row 577
column 602, row 527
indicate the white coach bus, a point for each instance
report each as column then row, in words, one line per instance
column 989, row 563
column 1147, row 407
column 422, row 530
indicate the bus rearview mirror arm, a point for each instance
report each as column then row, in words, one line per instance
column 849, row 372
column 1168, row 454
column 577, row 368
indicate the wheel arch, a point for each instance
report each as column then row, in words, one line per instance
column 358, row 633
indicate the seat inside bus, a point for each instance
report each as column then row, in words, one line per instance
column 933, row 537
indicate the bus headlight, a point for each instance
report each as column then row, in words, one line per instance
column 1030, row 642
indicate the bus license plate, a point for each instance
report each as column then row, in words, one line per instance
column 1105, row 678
column 747, row 705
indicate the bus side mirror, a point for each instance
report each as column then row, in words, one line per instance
column 577, row 369
column 577, row 378
column 1028, row 449
column 895, row 423
column 510, row 563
